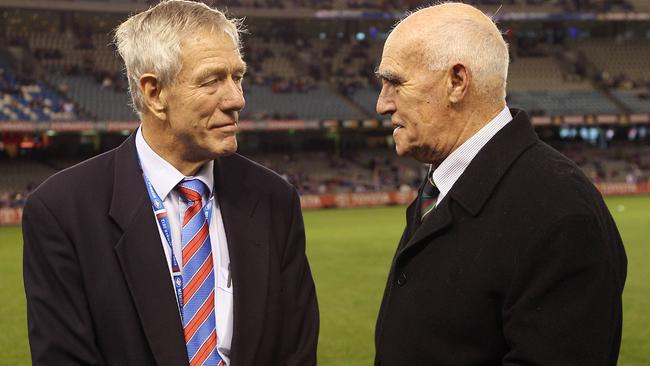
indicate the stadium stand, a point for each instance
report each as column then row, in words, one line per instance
column 363, row 171
column 541, row 73
column 84, row 67
column 639, row 5
column 23, row 175
column 320, row 103
column 619, row 163
column 619, row 65
column 26, row 99
column 367, row 170
column 637, row 101
column 618, row 57
column 562, row 102
column 61, row 66
column 106, row 103
column 538, row 85
column 276, row 89
column 310, row 75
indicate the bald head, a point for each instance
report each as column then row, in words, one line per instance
column 444, row 35
column 443, row 73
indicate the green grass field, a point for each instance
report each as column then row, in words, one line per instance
column 350, row 252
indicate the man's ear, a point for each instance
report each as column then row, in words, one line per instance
column 459, row 82
column 154, row 98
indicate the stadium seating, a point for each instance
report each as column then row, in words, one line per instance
column 22, row 99
column 367, row 99
column 541, row 73
column 370, row 169
column 637, row 101
column 19, row 175
column 619, row 163
column 640, row 5
column 292, row 75
column 541, row 86
column 320, row 103
column 303, row 69
column 628, row 57
column 562, row 102
column 106, row 104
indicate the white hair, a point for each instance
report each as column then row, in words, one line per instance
column 150, row 41
column 477, row 45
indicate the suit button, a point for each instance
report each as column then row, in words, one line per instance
column 401, row 280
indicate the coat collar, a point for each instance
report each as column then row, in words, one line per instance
column 129, row 191
column 475, row 186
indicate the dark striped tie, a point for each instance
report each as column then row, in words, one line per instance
column 428, row 197
column 199, row 323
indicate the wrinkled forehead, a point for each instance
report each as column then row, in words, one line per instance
column 403, row 49
column 208, row 36
column 210, row 49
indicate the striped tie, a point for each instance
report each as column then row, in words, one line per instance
column 428, row 197
column 198, row 278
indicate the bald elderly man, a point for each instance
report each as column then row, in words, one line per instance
column 509, row 256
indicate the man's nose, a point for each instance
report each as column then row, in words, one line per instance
column 385, row 104
column 234, row 97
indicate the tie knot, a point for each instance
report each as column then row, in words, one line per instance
column 430, row 188
column 192, row 189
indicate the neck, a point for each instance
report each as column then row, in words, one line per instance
column 168, row 149
column 474, row 119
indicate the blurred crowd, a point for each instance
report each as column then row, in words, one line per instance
column 13, row 199
column 380, row 170
column 21, row 90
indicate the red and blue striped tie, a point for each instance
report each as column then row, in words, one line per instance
column 198, row 278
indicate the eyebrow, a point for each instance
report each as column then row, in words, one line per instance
column 389, row 76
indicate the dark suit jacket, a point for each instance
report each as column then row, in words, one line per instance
column 97, row 282
column 520, row 264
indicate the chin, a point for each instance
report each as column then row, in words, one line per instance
column 227, row 152
column 401, row 151
column 227, row 146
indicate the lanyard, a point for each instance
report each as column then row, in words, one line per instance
column 161, row 215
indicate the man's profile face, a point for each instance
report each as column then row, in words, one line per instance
column 416, row 99
column 204, row 102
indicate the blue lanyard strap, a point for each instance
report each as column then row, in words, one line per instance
column 160, row 212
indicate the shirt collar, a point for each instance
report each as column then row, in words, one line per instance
column 162, row 175
column 448, row 172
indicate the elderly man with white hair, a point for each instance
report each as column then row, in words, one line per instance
column 509, row 255
column 171, row 249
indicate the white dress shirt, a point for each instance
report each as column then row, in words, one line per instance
column 448, row 172
column 164, row 178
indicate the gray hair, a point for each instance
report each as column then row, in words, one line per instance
column 150, row 41
column 479, row 46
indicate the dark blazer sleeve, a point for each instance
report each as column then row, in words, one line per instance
column 564, row 305
column 300, row 335
column 59, row 323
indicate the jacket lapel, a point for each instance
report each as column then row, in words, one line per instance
column 143, row 260
column 411, row 220
column 249, row 256
column 432, row 224
column 476, row 184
